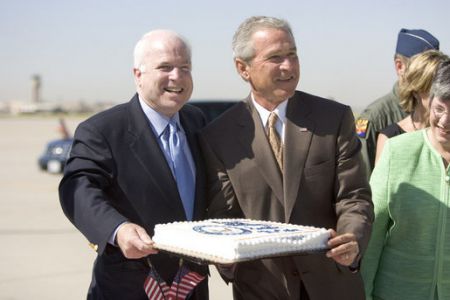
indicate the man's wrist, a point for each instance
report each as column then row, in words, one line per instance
column 113, row 238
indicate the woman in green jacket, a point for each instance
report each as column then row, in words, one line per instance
column 408, row 256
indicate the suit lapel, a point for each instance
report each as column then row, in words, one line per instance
column 298, row 134
column 191, row 130
column 146, row 150
column 252, row 130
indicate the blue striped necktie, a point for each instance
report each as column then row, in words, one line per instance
column 181, row 169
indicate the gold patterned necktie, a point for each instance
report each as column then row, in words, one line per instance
column 274, row 139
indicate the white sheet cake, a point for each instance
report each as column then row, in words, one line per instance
column 234, row 240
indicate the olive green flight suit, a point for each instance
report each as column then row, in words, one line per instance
column 379, row 114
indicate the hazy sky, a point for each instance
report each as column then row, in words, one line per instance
column 83, row 49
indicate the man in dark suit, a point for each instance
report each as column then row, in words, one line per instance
column 288, row 156
column 121, row 180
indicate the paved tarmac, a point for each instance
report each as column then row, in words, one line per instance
column 42, row 256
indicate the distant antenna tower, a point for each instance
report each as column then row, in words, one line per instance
column 35, row 88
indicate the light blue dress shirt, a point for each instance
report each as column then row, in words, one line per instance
column 158, row 124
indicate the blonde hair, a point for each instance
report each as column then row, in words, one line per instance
column 418, row 77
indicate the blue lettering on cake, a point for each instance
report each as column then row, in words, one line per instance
column 221, row 230
column 239, row 228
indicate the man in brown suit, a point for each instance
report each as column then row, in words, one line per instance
column 302, row 166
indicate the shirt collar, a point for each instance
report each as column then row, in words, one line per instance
column 157, row 120
column 280, row 110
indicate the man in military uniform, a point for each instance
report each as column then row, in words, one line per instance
column 386, row 110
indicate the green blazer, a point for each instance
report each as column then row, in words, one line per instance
column 408, row 256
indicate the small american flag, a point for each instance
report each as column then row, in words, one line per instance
column 155, row 287
column 184, row 283
column 182, row 286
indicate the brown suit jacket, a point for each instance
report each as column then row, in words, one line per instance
column 323, row 185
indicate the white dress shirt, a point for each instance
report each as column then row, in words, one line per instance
column 280, row 110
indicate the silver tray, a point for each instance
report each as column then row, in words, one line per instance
column 219, row 260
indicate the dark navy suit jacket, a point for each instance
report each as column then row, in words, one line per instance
column 117, row 172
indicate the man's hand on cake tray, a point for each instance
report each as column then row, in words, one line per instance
column 343, row 248
column 134, row 241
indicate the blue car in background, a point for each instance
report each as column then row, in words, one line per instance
column 57, row 151
column 55, row 155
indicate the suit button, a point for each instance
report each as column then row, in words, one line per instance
column 93, row 246
column 295, row 273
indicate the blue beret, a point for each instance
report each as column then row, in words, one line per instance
column 413, row 41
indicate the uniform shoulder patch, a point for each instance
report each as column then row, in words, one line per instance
column 361, row 127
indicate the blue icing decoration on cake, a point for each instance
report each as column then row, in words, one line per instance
column 221, row 230
column 239, row 227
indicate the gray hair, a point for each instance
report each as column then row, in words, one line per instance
column 242, row 40
column 441, row 83
column 142, row 46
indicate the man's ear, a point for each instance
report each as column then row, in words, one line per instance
column 400, row 67
column 137, row 75
column 242, row 68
